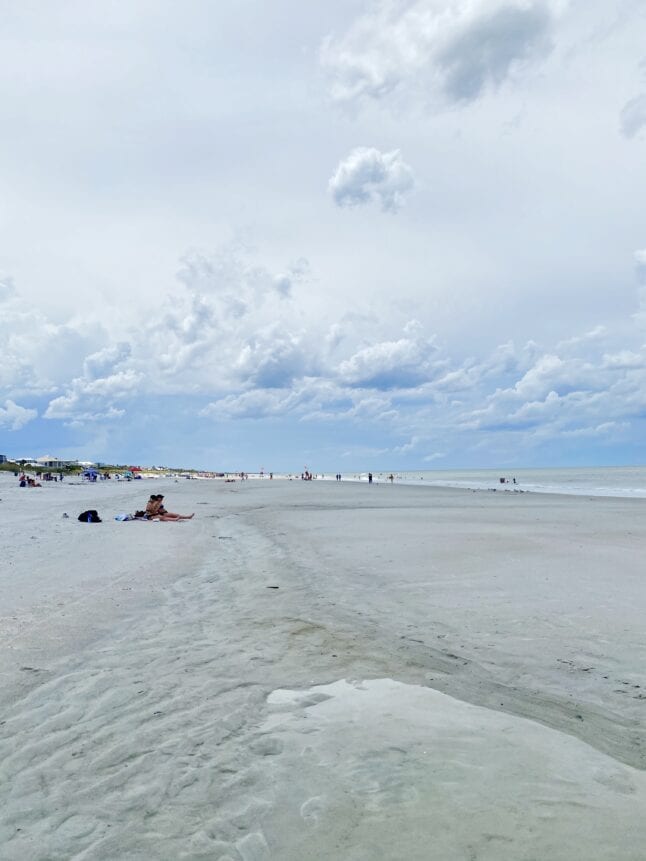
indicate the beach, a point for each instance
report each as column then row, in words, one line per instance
column 321, row 670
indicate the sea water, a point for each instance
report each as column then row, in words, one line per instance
column 623, row 481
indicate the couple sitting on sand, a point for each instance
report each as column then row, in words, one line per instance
column 155, row 510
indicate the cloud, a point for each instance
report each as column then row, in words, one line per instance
column 454, row 50
column 272, row 359
column 483, row 51
column 567, row 395
column 217, row 330
column 297, row 273
column 104, row 361
column 404, row 363
column 94, row 400
column 37, row 354
column 304, row 397
column 7, row 288
column 633, row 116
column 255, row 404
column 640, row 265
column 438, row 455
column 367, row 175
column 229, row 324
column 14, row 417
column 235, row 348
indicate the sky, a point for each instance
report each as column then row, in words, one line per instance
column 348, row 235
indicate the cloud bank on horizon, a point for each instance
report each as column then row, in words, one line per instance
column 387, row 234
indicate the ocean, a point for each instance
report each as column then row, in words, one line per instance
column 625, row 481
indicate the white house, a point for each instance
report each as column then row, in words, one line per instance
column 47, row 461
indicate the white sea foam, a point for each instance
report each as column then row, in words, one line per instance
column 622, row 482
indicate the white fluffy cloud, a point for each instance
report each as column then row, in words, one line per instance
column 230, row 322
column 455, row 49
column 567, row 394
column 367, row 175
column 104, row 361
column 404, row 363
column 93, row 400
column 14, row 417
column 37, row 354
column 241, row 349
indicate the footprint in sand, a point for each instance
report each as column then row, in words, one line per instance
column 312, row 809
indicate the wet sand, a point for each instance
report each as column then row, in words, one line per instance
column 324, row 671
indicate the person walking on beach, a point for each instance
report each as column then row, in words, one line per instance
column 369, row 478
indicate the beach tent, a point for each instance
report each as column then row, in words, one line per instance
column 90, row 473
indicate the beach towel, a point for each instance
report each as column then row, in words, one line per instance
column 123, row 516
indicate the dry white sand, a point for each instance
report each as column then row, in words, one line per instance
column 439, row 675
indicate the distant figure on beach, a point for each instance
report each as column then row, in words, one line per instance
column 391, row 478
column 369, row 478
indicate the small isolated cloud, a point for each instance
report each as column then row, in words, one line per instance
column 14, row 417
column 456, row 49
column 633, row 116
column 367, row 175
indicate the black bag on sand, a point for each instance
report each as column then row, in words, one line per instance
column 91, row 516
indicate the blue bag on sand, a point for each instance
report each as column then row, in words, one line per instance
column 90, row 516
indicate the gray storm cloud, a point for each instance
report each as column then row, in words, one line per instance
column 455, row 49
